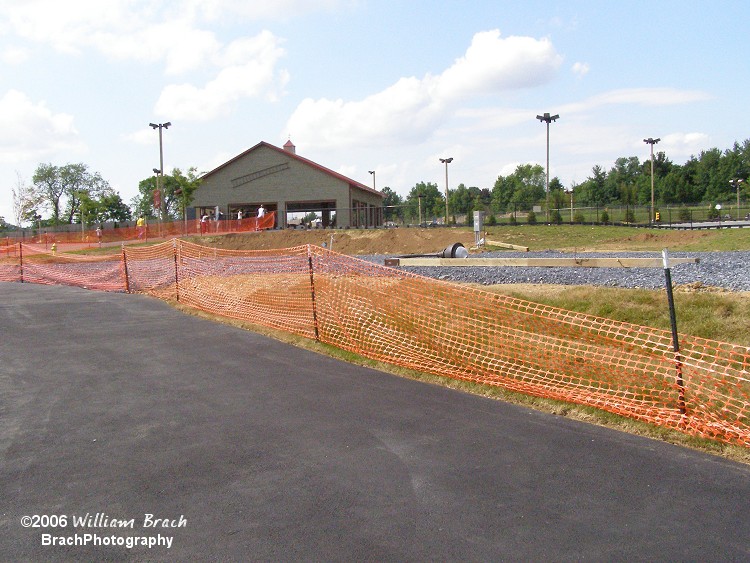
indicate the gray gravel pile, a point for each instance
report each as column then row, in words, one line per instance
column 728, row 270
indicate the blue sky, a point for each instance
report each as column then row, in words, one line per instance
column 359, row 85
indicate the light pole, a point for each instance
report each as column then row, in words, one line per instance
column 571, row 206
column 547, row 118
column 157, row 196
column 373, row 178
column 160, row 126
column 652, row 142
column 736, row 183
column 446, row 161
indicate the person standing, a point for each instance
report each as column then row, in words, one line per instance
column 99, row 235
column 140, row 226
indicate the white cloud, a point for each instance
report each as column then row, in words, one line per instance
column 142, row 30
column 684, row 144
column 412, row 108
column 580, row 69
column 14, row 56
column 250, row 71
column 493, row 64
column 649, row 97
column 31, row 130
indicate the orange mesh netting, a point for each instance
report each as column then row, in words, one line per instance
column 34, row 264
column 155, row 230
column 459, row 332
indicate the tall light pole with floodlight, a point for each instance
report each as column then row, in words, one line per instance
column 652, row 142
column 373, row 178
column 547, row 118
column 446, row 161
column 160, row 126
column 736, row 183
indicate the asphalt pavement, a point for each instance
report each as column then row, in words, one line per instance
column 118, row 412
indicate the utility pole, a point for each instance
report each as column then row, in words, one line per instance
column 547, row 118
column 652, row 142
column 160, row 126
column 446, row 161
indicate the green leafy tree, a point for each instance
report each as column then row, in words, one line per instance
column 595, row 191
column 62, row 186
column 177, row 190
column 433, row 202
column 460, row 199
column 49, row 189
column 112, row 208
column 392, row 203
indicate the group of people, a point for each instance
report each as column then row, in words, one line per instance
column 206, row 217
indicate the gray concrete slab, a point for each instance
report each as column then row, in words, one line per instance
column 119, row 405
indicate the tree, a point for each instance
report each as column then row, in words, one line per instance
column 530, row 182
column 25, row 201
column 433, row 202
column 521, row 189
column 594, row 189
column 49, row 189
column 502, row 193
column 177, row 189
column 392, row 203
column 58, row 185
column 557, row 196
column 112, row 208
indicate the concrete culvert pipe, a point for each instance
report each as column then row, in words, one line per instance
column 455, row 250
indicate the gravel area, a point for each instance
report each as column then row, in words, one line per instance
column 726, row 270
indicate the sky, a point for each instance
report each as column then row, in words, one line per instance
column 358, row 85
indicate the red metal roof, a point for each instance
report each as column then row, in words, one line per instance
column 301, row 159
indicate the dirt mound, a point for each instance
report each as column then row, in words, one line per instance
column 348, row 241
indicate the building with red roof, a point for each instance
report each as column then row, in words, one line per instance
column 283, row 182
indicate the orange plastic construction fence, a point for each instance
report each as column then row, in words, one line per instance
column 455, row 331
column 154, row 230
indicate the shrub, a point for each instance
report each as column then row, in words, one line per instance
column 713, row 213
column 531, row 218
column 491, row 221
column 685, row 214
column 629, row 216
column 578, row 218
column 513, row 220
column 605, row 217
column 555, row 217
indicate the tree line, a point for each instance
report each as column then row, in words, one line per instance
column 72, row 194
column 712, row 176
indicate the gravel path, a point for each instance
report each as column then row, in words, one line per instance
column 727, row 270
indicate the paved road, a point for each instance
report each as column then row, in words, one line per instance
column 118, row 404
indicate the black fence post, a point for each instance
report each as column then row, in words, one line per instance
column 312, row 292
column 176, row 277
column 675, row 338
column 125, row 269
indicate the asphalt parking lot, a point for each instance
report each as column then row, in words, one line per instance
column 238, row 447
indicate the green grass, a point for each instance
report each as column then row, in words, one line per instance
column 719, row 316
column 589, row 238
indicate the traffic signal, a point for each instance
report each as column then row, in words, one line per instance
column 658, row 216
